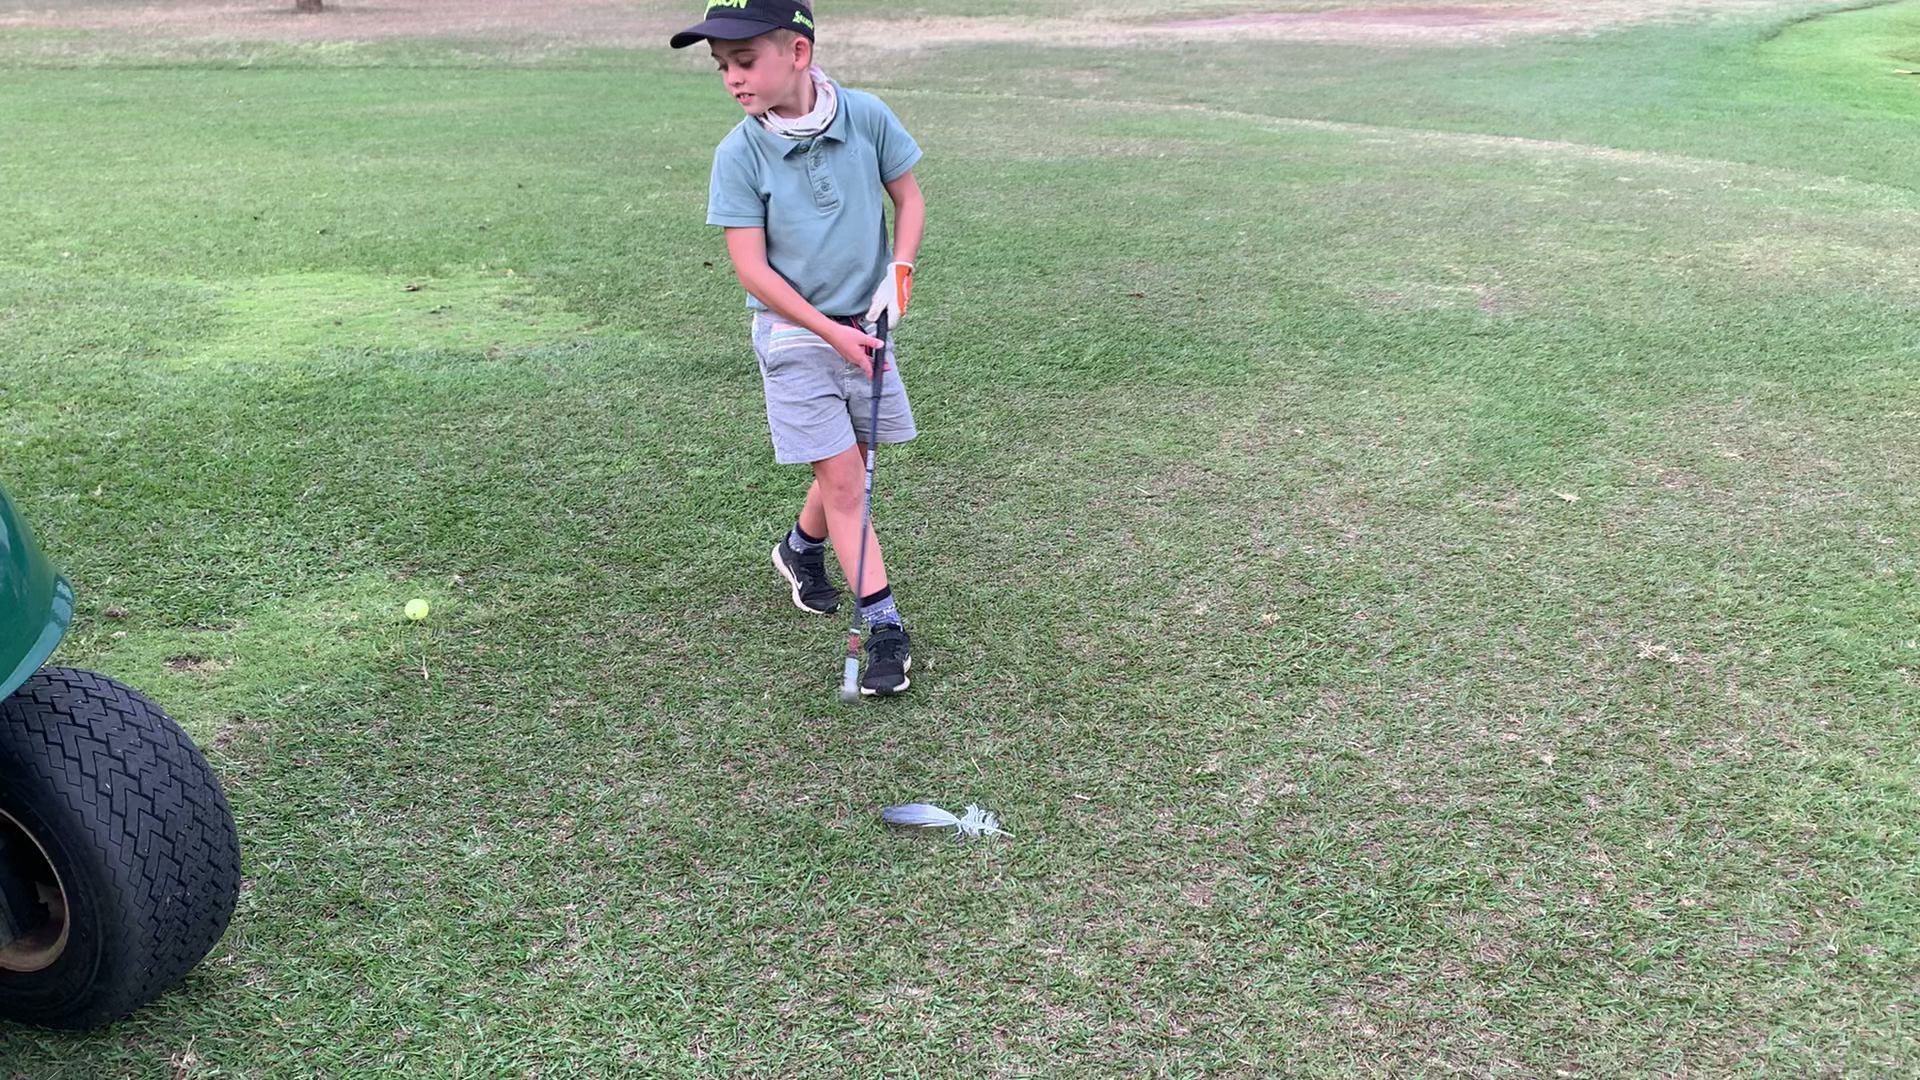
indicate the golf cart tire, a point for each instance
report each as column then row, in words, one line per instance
column 134, row 822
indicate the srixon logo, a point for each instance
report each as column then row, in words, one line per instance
column 717, row 5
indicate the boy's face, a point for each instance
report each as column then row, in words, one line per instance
column 763, row 75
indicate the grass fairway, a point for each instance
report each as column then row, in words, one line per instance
column 1418, row 543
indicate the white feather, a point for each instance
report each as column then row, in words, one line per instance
column 926, row 815
column 975, row 822
column 978, row 822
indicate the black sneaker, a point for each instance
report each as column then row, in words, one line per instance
column 888, row 661
column 807, row 573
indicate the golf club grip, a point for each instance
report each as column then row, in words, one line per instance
column 879, row 383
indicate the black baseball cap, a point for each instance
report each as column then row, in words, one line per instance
column 738, row 20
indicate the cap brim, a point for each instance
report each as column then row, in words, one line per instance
column 721, row 30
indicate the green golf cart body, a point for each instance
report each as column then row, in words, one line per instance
column 36, row 603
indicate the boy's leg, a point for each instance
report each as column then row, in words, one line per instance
column 839, row 487
column 800, row 558
column 839, row 482
column 808, row 420
column 813, row 514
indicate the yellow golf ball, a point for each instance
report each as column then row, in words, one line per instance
column 417, row 609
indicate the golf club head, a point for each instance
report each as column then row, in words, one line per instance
column 850, row 682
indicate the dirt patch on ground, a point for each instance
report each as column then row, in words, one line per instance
column 1363, row 23
column 1354, row 23
column 624, row 23
column 197, row 665
column 582, row 22
column 1410, row 15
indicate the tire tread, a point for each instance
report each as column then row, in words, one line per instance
column 151, row 805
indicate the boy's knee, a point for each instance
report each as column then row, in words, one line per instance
column 841, row 493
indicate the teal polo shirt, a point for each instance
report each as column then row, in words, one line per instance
column 820, row 200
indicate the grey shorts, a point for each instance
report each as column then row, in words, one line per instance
column 818, row 404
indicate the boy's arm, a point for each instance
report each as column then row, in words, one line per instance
column 909, row 216
column 747, row 248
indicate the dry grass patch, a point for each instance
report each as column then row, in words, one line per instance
column 1362, row 24
column 622, row 23
column 603, row 22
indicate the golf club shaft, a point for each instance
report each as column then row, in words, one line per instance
column 866, row 507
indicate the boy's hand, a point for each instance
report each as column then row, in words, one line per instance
column 891, row 296
column 853, row 345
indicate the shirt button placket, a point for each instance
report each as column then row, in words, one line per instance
column 817, row 173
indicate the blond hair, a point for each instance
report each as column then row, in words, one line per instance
column 785, row 38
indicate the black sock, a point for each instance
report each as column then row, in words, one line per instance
column 799, row 541
column 878, row 608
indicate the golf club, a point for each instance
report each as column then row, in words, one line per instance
column 850, row 677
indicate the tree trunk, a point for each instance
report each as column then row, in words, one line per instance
column 306, row 7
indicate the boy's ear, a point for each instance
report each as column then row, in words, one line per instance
column 802, row 51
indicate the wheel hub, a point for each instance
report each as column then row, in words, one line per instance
column 34, row 900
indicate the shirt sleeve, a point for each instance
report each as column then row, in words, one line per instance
column 733, row 196
column 897, row 151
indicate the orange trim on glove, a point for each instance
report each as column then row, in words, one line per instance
column 903, row 283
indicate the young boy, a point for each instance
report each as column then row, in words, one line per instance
column 797, row 185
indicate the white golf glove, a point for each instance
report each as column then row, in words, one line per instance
column 891, row 296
